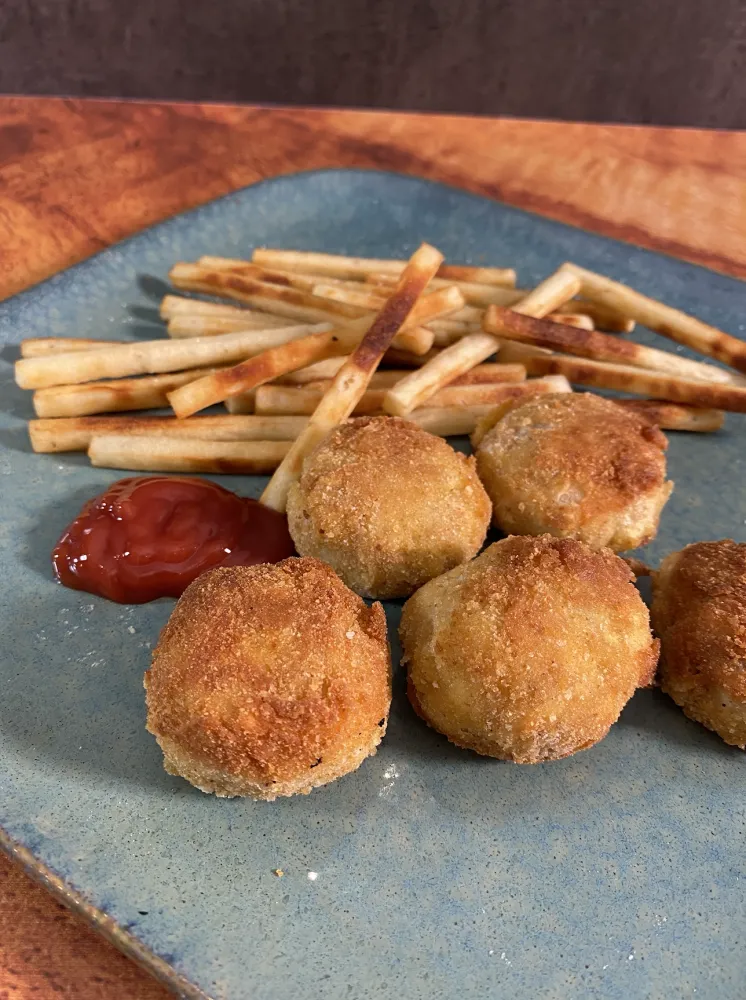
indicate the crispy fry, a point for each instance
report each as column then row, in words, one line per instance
column 675, row 416
column 509, row 324
column 604, row 317
column 550, row 294
column 76, row 433
column 303, row 400
column 148, row 453
column 291, row 302
column 669, row 322
column 179, row 305
column 415, row 389
column 625, row 378
column 40, row 347
column 581, row 321
column 280, row 399
column 352, row 379
column 448, row 331
column 284, row 300
column 337, row 266
column 249, row 374
column 152, row 356
column 148, row 393
column 441, row 302
column 197, row 325
column 365, row 296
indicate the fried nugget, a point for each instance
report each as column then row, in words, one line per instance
column 269, row 680
column 388, row 506
column 576, row 466
column 699, row 612
column 529, row 652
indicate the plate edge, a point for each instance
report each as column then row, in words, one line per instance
column 99, row 921
column 448, row 185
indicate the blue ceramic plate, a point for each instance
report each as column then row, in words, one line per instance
column 617, row 873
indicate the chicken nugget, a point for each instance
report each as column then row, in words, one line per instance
column 699, row 612
column 529, row 652
column 576, row 466
column 269, row 680
column 388, row 506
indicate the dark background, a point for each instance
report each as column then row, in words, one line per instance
column 672, row 62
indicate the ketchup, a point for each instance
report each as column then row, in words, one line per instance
column 150, row 536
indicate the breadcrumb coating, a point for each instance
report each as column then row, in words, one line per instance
column 575, row 466
column 529, row 652
column 699, row 612
column 388, row 506
column 269, row 680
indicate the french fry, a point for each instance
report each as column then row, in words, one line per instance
column 179, row 305
column 669, row 322
column 603, row 317
column 550, row 294
column 76, row 433
column 197, row 325
column 249, row 374
column 396, row 358
column 116, row 396
column 338, row 266
column 447, row 332
column 291, row 302
column 294, row 303
column 581, row 321
column 156, row 453
column 352, row 379
column 415, row 389
column 675, row 416
column 39, row 347
column 326, row 369
column 303, row 400
column 364, row 296
column 151, row 357
column 279, row 400
column 625, row 378
column 510, row 325
column 441, row 302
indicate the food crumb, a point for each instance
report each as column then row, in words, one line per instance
column 350, row 635
column 278, row 872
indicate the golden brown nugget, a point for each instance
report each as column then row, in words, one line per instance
column 529, row 652
column 576, row 466
column 269, row 680
column 699, row 612
column 388, row 506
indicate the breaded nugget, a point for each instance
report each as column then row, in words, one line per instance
column 699, row 612
column 388, row 506
column 269, row 680
column 529, row 652
column 576, row 466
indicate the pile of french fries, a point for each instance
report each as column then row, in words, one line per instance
column 299, row 341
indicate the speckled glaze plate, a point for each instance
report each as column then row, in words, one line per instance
column 617, row 873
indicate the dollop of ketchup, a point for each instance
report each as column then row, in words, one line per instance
column 150, row 536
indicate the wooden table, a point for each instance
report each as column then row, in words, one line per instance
column 76, row 176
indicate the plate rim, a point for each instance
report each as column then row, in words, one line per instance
column 97, row 920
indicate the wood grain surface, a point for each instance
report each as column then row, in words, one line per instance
column 76, row 176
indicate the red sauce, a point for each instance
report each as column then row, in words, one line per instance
column 150, row 536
